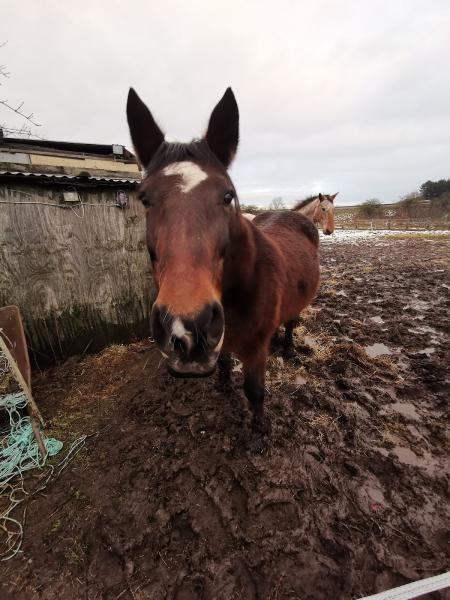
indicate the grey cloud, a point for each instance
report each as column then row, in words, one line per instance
column 342, row 96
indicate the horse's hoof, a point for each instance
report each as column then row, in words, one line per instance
column 257, row 444
column 276, row 343
column 289, row 353
column 260, row 425
column 303, row 349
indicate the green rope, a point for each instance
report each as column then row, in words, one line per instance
column 19, row 453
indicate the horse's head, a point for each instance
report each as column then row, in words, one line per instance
column 324, row 213
column 191, row 212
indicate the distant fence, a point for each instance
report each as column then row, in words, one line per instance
column 80, row 274
column 395, row 224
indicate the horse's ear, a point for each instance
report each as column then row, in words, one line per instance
column 222, row 134
column 145, row 133
column 320, row 197
column 333, row 196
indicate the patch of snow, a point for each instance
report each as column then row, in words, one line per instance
column 355, row 235
column 377, row 350
column 377, row 320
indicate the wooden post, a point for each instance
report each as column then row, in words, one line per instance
column 21, row 381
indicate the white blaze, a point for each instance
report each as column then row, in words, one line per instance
column 190, row 173
column 178, row 329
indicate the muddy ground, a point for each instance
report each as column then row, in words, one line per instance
column 349, row 496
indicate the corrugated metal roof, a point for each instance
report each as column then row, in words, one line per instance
column 70, row 177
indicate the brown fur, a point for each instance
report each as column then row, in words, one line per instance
column 269, row 277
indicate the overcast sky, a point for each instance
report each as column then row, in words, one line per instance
column 348, row 96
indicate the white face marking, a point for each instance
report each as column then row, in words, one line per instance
column 178, row 329
column 248, row 216
column 190, row 173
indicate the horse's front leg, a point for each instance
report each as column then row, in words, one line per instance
column 275, row 342
column 254, row 389
column 288, row 343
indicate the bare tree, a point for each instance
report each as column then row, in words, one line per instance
column 370, row 208
column 277, row 204
column 28, row 118
column 410, row 204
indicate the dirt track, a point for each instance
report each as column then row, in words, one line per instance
column 349, row 497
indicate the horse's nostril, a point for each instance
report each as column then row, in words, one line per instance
column 181, row 346
column 216, row 325
column 160, row 321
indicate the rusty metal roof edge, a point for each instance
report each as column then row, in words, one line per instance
column 71, row 177
column 82, row 148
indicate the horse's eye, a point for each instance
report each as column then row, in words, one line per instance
column 228, row 198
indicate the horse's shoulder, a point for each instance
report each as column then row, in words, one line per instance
column 290, row 220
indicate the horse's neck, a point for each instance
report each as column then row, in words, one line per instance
column 309, row 210
column 241, row 260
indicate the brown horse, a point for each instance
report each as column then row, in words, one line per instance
column 320, row 209
column 224, row 284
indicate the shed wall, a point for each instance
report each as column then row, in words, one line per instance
column 80, row 275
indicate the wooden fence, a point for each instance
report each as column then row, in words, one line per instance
column 392, row 223
column 80, row 274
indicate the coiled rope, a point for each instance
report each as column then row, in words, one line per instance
column 19, row 453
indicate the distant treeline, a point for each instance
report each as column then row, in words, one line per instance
column 435, row 189
column 432, row 200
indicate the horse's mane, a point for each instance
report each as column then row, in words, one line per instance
column 171, row 152
column 302, row 203
column 197, row 151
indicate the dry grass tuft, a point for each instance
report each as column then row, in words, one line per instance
column 323, row 421
column 309, row 313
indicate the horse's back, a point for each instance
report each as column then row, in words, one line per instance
column 297, row 240
column 290, row 220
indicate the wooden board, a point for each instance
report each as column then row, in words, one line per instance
column 11, row 330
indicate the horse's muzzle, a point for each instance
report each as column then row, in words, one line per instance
column 178, row 368
column 192, row 345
